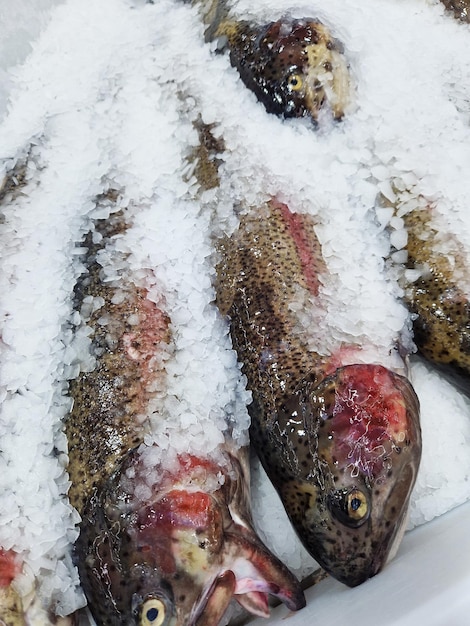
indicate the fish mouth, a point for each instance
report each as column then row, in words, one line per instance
column 252, row 575
column 218, row 596
column 353, row 570
column 357, row 575
column 187, row 550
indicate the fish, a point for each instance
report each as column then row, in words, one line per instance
column 294, row 66
column 435, row 295
column 339, row 438
column 460, row 9
column 163, row 540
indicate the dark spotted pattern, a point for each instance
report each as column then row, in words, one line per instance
column 442, row 309
column 295, row 67
column 289, row 64
column 310, row 421
column 269, row 347
column 342, row 446
column 460, row 9
column 101, row 427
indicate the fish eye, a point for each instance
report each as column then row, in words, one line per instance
column 294, row 82
column 357, row 506
column 349, row 507
column 153, row 613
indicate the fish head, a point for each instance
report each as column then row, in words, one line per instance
column 174, row 547
column 357, row 447
column 295, row 67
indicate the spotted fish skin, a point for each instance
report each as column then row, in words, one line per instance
column 294, row 66
column 166, row 542
column 440, row 305
column 340, row 442
column 107, row 398
column 460, row 9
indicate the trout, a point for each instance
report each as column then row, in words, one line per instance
column 164, row 540
column 339, row 439
column 436, row 294
column 338, row 435
column 294, row 66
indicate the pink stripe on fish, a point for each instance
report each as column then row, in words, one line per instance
column 305, row 247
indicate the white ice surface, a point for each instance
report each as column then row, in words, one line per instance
column 21, row 23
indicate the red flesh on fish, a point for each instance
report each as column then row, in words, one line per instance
column 10, row 567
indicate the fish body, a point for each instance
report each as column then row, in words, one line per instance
column 163, row 540
column 294, row 66
column 437, row 298
column 339, row 438
column 435, row 285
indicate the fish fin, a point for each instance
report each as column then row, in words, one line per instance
column 258, row 571
column 218, row 600
column 256, row 602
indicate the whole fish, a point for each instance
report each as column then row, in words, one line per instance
column 340, row 439
column 294, row 66
column 162, row 541
column 460, row 9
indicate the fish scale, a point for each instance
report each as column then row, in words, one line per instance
column 436, row 294
column 102, row 401
column 282, row 357
column 339, row 438
column 441, row 306
column 164, row 537
column 326, row 430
